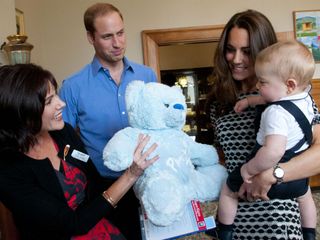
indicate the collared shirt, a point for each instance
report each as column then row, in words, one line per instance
column 275, row 120
column 96, row 104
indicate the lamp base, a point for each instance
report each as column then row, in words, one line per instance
column 18, row 49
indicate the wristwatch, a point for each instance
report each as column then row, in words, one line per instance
column 278, row 173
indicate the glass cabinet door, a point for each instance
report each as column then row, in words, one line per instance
column 189, row 86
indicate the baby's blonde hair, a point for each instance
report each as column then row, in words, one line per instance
column 288, row 59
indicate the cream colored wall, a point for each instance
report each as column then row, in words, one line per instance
column 7, row 19
column 56, row 30
column 7, row 24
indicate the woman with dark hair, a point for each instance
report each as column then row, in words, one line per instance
column 260, row 35
column 244, row 36
column 47, row 180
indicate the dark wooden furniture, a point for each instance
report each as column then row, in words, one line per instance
column 315, row 180
column 8, row 230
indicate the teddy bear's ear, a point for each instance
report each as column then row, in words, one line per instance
column 133, row 92
column 178, row 88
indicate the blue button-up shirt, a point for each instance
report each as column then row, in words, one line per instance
column 96, row 105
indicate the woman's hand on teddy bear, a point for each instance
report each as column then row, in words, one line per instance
column 140, row 161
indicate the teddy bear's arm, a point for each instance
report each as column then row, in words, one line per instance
column 203, row 154
column 118, row 153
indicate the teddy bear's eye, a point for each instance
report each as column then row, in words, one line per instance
column 166, row 105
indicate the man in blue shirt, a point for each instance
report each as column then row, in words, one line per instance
column 95, row 96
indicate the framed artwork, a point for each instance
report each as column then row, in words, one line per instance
column 307, row 30
column 20, row 22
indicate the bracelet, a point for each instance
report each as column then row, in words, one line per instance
column 109, row 199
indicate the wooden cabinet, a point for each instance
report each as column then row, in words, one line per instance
column 315, row 92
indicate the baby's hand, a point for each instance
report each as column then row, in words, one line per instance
column 241, row 105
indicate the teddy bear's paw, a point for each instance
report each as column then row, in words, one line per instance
column 204, row 154
column 164, row 200
column 116, row 162
column 117, row 154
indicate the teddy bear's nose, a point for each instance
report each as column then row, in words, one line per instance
column 178, row 106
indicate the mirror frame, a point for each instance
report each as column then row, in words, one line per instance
column 153, row 39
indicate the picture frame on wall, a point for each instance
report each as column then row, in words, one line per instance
column 307, row 30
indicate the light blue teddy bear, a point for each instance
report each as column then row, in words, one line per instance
column 186, row 170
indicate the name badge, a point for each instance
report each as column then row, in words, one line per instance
column 80, row 155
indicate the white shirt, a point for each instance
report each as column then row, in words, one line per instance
column 276, row 120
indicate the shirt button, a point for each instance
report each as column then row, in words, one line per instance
column 119, row 95
column 123, row 113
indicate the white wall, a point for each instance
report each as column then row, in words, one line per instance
column 56, row 30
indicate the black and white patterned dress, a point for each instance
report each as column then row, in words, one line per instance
column 275, row 219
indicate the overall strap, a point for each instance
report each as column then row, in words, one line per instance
column 258, row 112
column 302, row 120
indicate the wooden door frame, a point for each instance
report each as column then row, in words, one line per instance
column 153, row 39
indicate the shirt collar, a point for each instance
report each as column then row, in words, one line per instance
column 298, row 96
column 96, row 65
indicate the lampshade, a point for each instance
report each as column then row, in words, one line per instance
column 18, row 49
